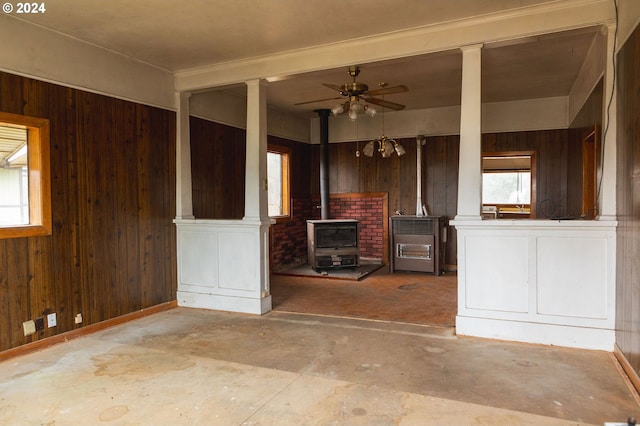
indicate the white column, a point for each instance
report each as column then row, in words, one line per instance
column 607, row 201
column 470, row 166
column 184, row 196
column 255, row 204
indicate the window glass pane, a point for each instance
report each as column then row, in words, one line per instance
column 274, row 177
column 14, row 185
column 506, row 188
column 14, row 196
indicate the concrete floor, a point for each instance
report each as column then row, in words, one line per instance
column 187, row 366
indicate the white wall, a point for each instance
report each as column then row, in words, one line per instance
column 33, row 51
column 230, row 108
column 591, row 72
column 628, row 19
column 532, row 114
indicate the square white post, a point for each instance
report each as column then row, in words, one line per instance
column 607, row 201
column 255, row 202
column 470, row 173
column 184, row 197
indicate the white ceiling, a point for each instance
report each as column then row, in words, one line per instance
column 176, row 36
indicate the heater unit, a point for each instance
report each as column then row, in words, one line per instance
column 416, row 243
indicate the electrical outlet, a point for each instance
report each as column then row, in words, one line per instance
column 29, row 327
column 39, row 323
column 51, row 320
column 78, row 319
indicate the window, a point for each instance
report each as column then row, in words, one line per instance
column 25, row 202
column 278, row 182
column 508, row 184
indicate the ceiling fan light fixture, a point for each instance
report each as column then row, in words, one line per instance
column 368, row 149
column 338, row 109
column 399, row 149
column 370, row 111
column 386, row 147
column 353, row 115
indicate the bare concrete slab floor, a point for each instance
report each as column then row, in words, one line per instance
column 200, row 367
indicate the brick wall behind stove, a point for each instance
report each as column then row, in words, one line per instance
column 369, row 212
column 289, row 238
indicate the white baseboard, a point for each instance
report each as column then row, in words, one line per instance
column 538, row 333
column 217, row 302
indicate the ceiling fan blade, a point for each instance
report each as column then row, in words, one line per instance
column 333, row 87
column 388, row 90
column 317, row 100
column 385, row 104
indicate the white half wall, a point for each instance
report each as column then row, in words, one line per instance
column 537, row 281
column 220, row 265
column 36, row 52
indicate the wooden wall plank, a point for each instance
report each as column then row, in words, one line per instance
column 18, row 286
column 5, row 297
column 64, row 202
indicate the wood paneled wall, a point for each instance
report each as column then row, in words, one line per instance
column 628, row 202
column 217, row 169
column 554, row 184
column 218, row 159
column 113, row 247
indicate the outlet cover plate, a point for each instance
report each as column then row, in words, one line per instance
column 51, row 320
column 39, row 323
column 29, row 327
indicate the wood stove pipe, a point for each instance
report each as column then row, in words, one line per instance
column 324, row 162
column 420, row 209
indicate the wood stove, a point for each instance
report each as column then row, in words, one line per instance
column 333, row 243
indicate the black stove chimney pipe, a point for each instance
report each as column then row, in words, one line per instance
column 324, row 162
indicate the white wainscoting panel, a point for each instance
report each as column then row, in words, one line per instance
column 198, row 251
column 240, row 271
column 572, row 270
column 223, row 265
column 509, row 288
column 537, row 281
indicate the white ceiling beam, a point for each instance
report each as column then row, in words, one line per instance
column 529, row 21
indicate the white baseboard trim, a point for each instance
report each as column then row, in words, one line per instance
column 538, row 333
column 217, row 302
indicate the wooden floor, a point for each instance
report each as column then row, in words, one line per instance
column 409, row 297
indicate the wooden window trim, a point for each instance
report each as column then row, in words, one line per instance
column 39, row 177
column 286, row 182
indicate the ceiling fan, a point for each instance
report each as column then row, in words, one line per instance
column 356, row 91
